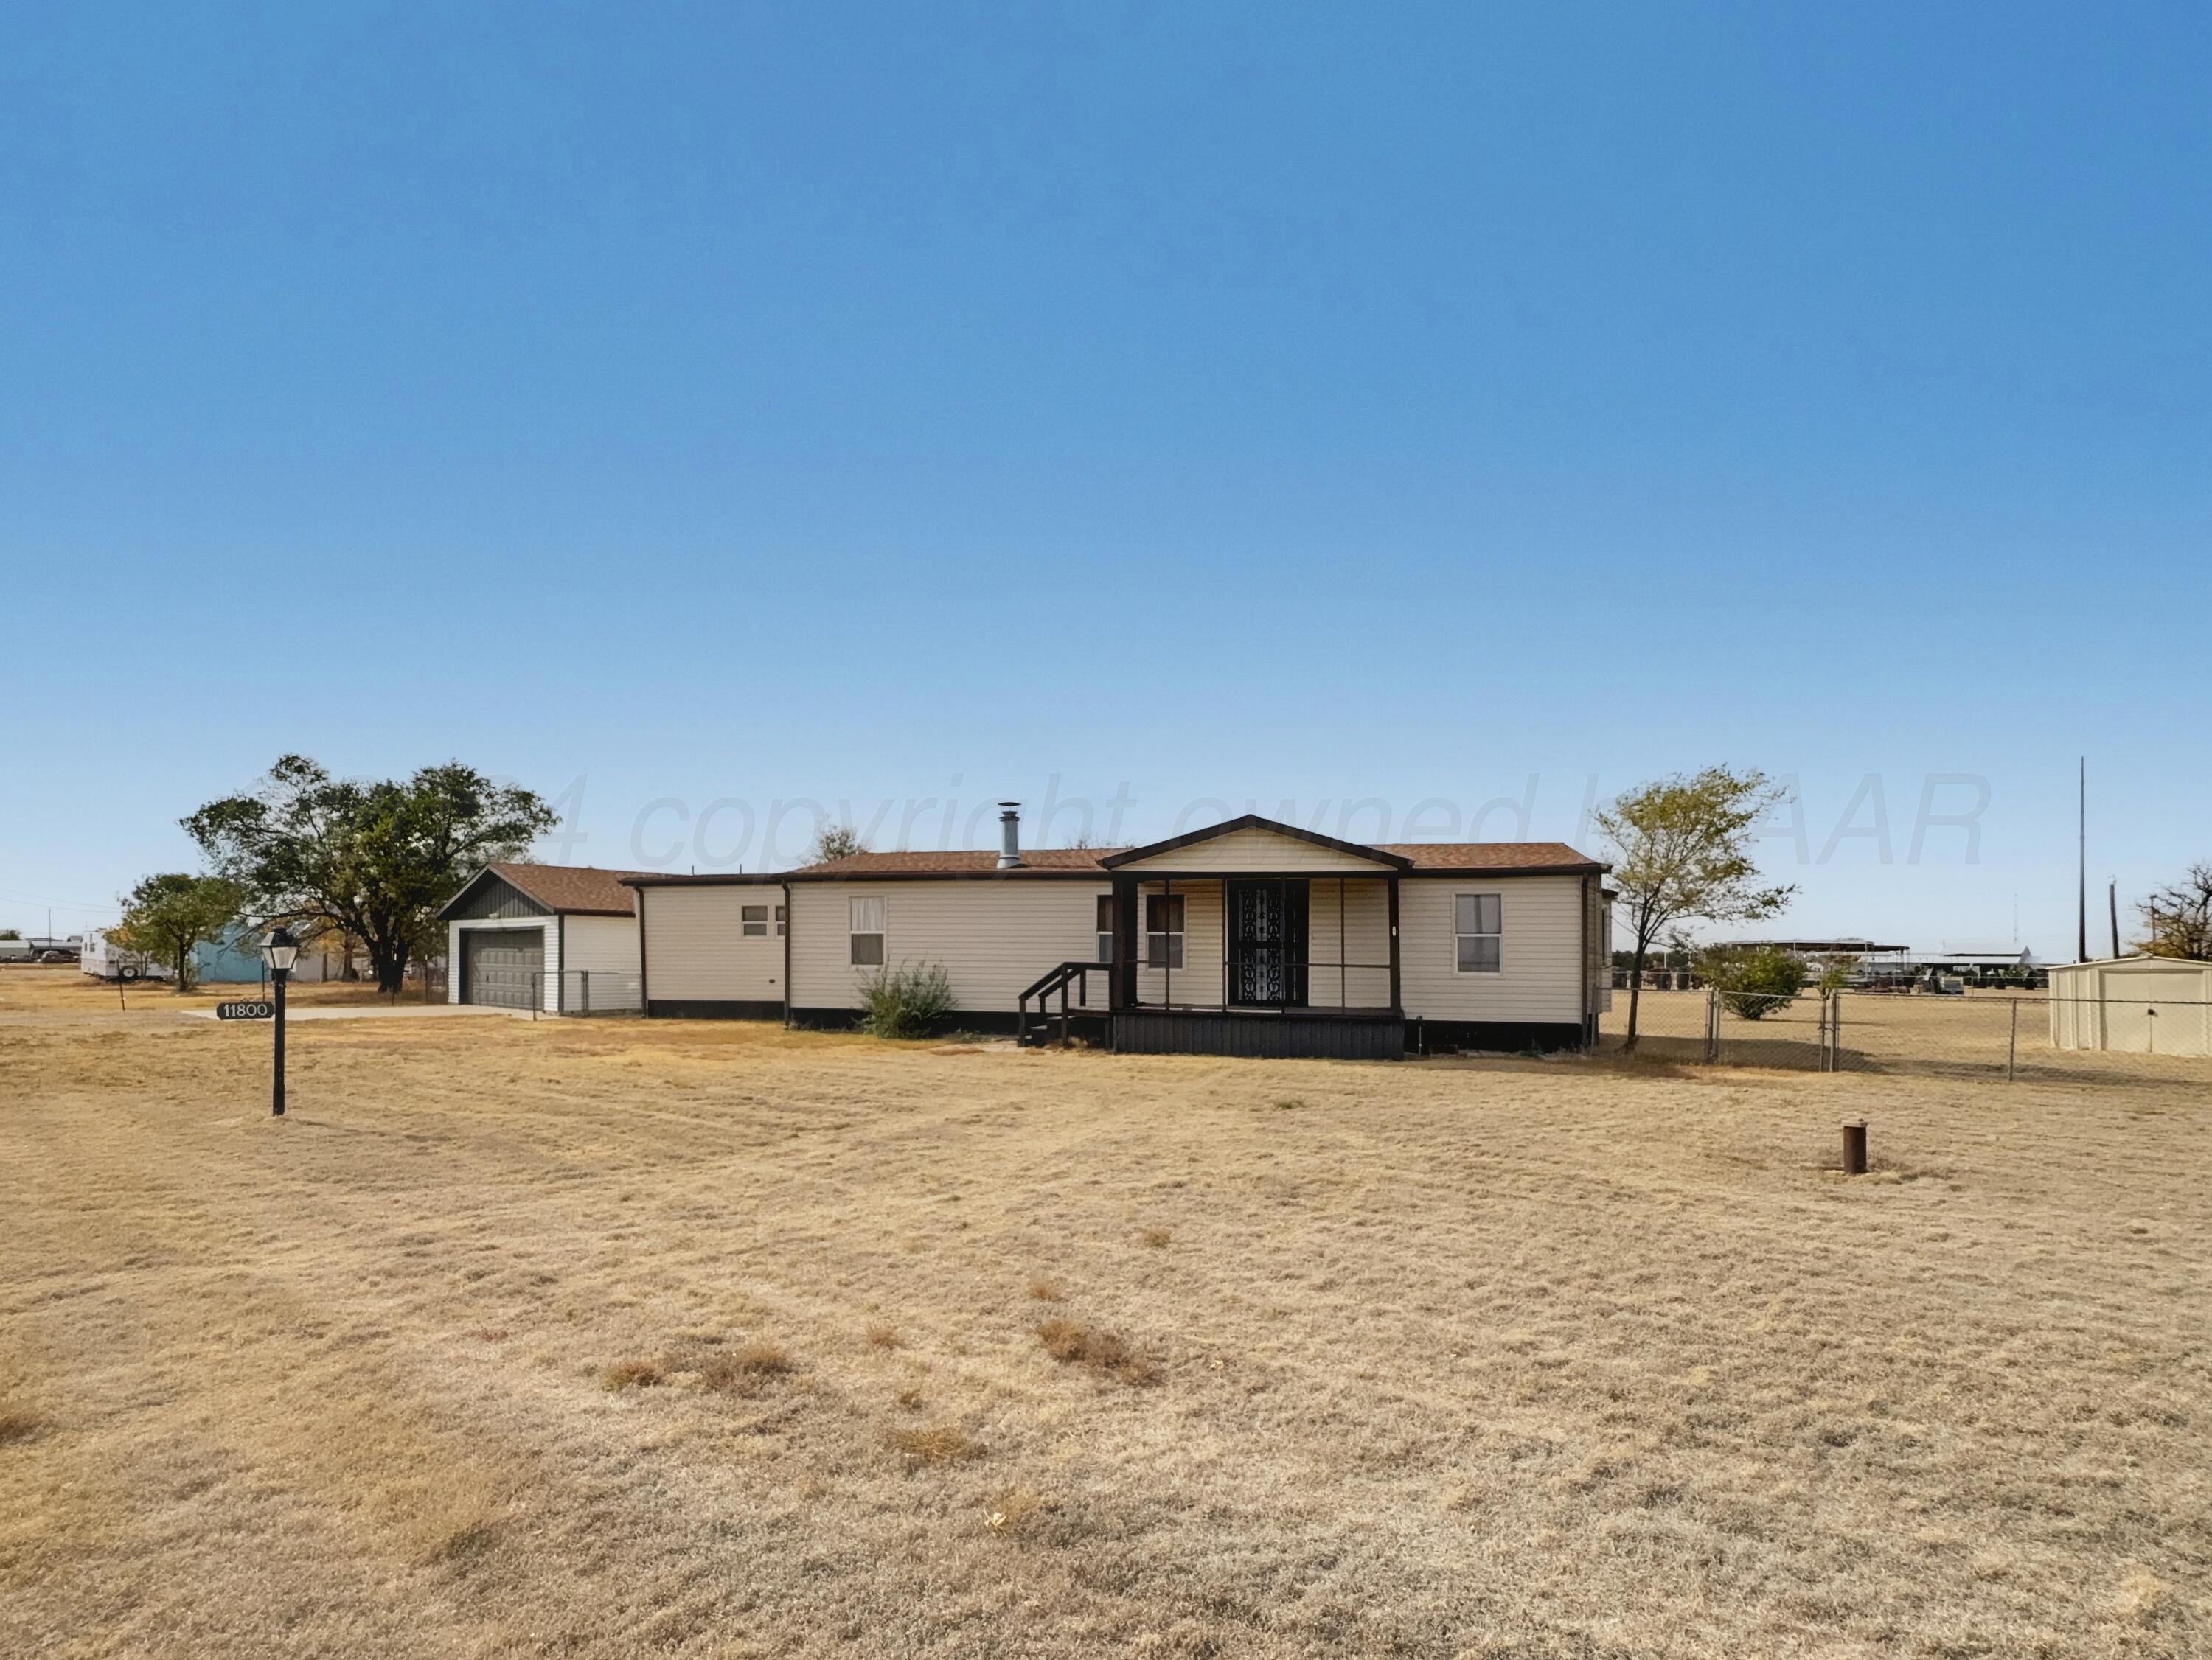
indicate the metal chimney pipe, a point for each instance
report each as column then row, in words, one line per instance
column 1009, row 834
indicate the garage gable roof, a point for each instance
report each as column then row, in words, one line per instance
column 553, row 889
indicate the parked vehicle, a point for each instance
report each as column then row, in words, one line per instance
column 104, row 961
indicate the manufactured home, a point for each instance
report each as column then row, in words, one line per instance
column 557, row 937
column 1248, row 937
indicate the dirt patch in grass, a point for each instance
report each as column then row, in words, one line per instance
column 745, row 1369
column 926, row 1448
column 1015, row 1514
column 18, row 1424
column 1103, row 1352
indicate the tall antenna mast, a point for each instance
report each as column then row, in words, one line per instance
column 2081, row 939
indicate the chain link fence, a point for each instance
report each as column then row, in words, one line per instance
column 2005, row 1036
column 600, row 991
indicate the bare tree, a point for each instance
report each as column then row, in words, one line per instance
column 2177, row 918
column 1684, row 844
column 836, row 841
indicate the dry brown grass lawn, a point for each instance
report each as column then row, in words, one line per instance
column 1454, row 1358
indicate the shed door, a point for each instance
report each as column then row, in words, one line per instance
column 503, row 967
column 2155, row 1013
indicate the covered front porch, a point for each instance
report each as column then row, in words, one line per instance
column 1252, row 941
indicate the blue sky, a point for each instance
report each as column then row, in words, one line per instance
column 702, row 403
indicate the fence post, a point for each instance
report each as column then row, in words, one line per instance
column 2012, row 1045
column 537, row 993
column 584, row 975
column 1712, row 1023
column 1836, row 1030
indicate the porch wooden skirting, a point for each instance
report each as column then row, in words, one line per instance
column 1291, row 1034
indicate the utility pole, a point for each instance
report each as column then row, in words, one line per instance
column 2113, row 896
column 2081, row 940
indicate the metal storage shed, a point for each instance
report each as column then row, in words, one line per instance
column 2134, row 1005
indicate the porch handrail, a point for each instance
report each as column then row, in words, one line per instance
column 1055, row 980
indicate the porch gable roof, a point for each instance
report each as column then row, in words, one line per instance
column 1160, row 852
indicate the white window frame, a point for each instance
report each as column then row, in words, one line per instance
column 868, row 919
column 1106, row 933
column 780, row 921
column 752, row 921
column 1164, row 947
column 1462, row 933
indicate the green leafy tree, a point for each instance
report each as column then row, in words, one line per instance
column 1753, row 981
column 1683, row 854
column 376, row 859
column 167, row 916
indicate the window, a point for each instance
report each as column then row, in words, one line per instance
column 779, row 921
column 752, row 921
column 1105, row 927
column 1479, row 921
column 867, row 933
column 1164, row 930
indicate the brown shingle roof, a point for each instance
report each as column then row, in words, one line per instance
column 1480, row 856
column 571, row 887
column 1472, row 857
column 957, row 862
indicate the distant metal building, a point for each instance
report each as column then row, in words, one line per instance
column 234, row 959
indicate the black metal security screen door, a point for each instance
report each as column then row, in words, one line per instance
column 1268, row 942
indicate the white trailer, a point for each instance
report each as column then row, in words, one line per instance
column 106, row 962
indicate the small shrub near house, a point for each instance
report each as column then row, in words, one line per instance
column 907, row 1001
column 1755, row 983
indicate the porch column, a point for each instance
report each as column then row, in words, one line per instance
column 1394, row 941
column 1122, row 982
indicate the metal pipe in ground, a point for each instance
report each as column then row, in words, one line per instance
column 1855, row 1148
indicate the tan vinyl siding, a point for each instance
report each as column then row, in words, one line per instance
column 1540, row 954
column 1199, row 979
column 696, row 950
column 1262, row 851
column 994, row 938
column 605, row 948
column 1366, row 939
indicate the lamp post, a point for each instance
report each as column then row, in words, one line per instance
column 280, row 951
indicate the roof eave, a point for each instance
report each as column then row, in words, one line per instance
column 1254, row 821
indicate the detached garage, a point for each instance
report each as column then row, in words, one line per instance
column 2133, row 1005
column 558, row 937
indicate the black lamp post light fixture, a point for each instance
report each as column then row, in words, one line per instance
column 280, row 951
